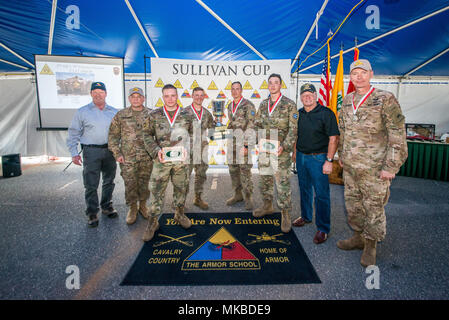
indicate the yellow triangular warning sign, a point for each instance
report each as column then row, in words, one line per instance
column 212, row 86
column 210, row 105
column 159, row 103
column 247, row 86
column 229, row 85
column 264, row 85
column 212, row 160
column 159, row 84
column 213, row 143
column 179, row 103
column 194, row 85
column 177, row 84
column 46, row 70
column 283, row 85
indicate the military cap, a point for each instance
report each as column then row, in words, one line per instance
column 308, row 87
column 361, row 63
column 97, row 85
column 135, row 90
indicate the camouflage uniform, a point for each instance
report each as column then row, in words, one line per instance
column 373, row 139
column 284, row 122
column 159, row 134
column 126, row 139
column 240, row 166
column 199, row 147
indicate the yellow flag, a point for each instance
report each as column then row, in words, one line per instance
column 338, row 90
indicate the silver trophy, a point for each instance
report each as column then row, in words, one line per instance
column 218, row 111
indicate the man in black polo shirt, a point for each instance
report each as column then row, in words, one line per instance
column 315, row 149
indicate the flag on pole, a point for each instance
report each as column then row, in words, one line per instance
column 351, row 85
column 326, row 82
column 338, row 91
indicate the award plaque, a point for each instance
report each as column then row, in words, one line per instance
column 171, row 154
column 269, row 146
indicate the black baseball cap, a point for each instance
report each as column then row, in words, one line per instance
column 308, row 87
column 97, row 85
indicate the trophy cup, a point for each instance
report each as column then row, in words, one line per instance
column 218, row 111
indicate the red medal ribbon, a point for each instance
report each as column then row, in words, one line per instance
column 234, row 106
column 198, row 116
column 362, row 100
column 171, row 120
column 271, row 108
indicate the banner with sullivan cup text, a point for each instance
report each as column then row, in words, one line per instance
column 216, row 77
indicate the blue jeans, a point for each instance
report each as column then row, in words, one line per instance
column 310, row 179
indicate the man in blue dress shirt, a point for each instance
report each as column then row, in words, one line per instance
column 90, row 128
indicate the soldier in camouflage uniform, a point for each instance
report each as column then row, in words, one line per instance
column 126, row 143
column 241, row 114
column 202, row 121
column 372, row 149
column 276, row 119
column 168, row 126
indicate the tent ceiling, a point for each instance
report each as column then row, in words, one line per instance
column 184, row 29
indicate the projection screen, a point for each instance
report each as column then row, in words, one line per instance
column 63, row 85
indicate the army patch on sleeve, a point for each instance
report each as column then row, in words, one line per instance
column 295, row 116
column 253, row 113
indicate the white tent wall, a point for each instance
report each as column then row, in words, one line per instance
column 19, row 119
column 423, row 100
column 426, row 101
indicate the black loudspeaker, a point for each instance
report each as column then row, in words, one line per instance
column 11, row 165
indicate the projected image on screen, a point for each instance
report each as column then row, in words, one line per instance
column 64, row 83
column 74, row 84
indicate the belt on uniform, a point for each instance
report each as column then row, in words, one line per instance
column 313, row 153
column 95, row 145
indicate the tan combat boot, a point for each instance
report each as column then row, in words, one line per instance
column 143, row 209
column 354, row 243
column 369, row 253
column 286, row 223
column 200, row 202
column 267, row 208
column 248, row 201
column 132, row 213
column 152, row 227
column 181, row 218
column 237, row 197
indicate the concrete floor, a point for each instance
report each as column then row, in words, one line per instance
column 43, row 231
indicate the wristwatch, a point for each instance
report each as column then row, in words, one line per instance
column 330, row 159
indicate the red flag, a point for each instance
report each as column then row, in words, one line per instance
column 356, row 57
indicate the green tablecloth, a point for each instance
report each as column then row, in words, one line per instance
column 428, row 160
